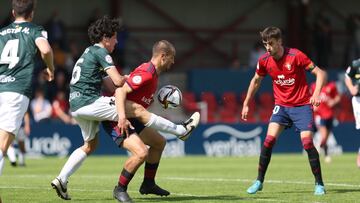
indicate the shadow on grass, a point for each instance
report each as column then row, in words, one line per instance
column 342, row 190
column 226, row 198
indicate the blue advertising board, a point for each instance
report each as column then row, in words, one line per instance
column 56, row 139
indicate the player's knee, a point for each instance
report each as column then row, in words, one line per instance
column 307, row 142
column 142, row 154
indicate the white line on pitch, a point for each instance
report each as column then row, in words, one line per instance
column 194, row 179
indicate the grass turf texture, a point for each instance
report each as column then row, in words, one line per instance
column 189, row 179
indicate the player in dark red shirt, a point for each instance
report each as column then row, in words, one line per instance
column 293, row 102
column 324, row 113
column 140, row 88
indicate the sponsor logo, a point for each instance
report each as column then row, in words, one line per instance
column 55, row 145
column 239, row 144
column 147, row 100
column 6, row 79
column 74, row 95
column 282, row 81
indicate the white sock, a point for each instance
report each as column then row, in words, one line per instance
column 164, row 125
column 21, row 157
column 73, row 163
column 1, row 162
column 11, row 154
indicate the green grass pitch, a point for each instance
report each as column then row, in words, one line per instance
column 189, row 179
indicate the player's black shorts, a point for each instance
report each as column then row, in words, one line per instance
column 113, row 131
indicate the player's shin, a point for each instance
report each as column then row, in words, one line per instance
column 265, row 156
column 313, row 156
column 73, row 163
column 164, row 125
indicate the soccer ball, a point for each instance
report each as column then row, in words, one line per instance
column 169, row 96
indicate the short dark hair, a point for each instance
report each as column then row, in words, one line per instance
column 103, row 27
column 23, row 8
column 163, row 46
column 271, row 33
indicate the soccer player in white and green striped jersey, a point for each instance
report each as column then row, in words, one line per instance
column 19, row 43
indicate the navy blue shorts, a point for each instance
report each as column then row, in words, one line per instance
column 328, row 123
column 113, row 131
column 300, row 116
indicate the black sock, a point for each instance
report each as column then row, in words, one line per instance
column 124, row 179
column 265, row 157
column 314, row 161
column 325, row 147
column 150, row 172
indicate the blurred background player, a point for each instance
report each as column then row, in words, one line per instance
column 140, row 87
column 19, row 153
column 293, row 102
column 19, row 43
column 352, row 82
column 324, row 113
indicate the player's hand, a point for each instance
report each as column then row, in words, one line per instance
column 244, row 112
column 48, row 74
column 315, row 100
column 27, row 130
column 124, row 125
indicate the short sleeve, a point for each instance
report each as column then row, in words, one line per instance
column 40, row 32
column 260, row 68
column 350, row 71
column 104, row 59
column 304, row 61
column 137, row 79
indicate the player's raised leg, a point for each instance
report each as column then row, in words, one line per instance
column 182, row 131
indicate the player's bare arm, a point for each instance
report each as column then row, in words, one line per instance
column 253, row 88
column 354, row 89
column 120, row 101
column 320, row 81
column 116, row 78
column 47, row 56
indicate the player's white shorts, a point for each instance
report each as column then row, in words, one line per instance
column 12, row 110
column 356, row 109
column 21, row 136
column 89, row 117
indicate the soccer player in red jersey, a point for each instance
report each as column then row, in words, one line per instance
column 293, row 103
column 324, row 113
column 140, row 88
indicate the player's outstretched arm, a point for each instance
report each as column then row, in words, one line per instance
column 47, row 56
column 120, row 99
column 115, row 76
column 320, row 81
column 253, row 88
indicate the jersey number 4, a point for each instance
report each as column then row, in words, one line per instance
column 9, row 53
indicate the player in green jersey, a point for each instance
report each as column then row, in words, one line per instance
column 19, row 43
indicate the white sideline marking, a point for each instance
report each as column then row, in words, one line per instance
column 192, row 179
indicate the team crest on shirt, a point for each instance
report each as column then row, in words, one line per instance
column 288, row 66
column 137, row 79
